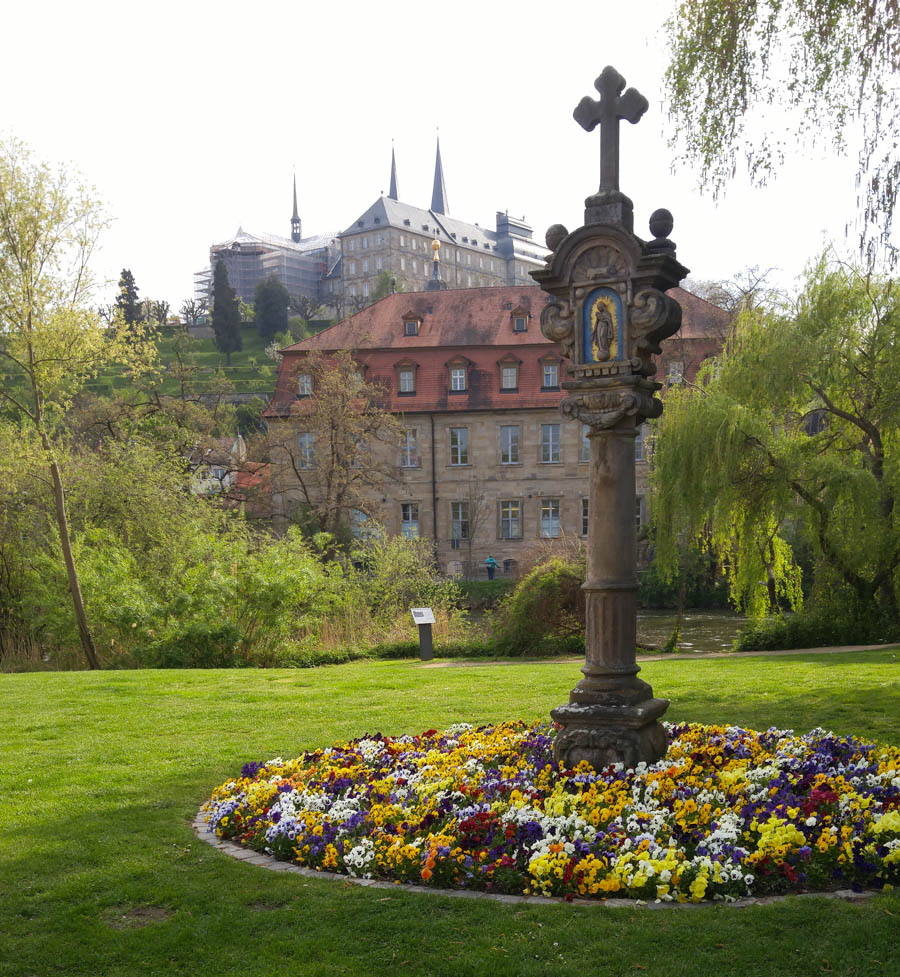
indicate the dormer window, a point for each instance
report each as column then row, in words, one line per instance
column 405, row 372
column 509, row 374
column 411, row 327
column 520, row 323
column 550, row 376
column 304, row 385
column 457, row 379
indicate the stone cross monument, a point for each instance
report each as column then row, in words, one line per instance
column 609, row 312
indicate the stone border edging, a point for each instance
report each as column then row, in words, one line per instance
column 271, row 863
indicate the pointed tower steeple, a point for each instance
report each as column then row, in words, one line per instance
column 392, row 193
column 439, row 193
column 295, row 220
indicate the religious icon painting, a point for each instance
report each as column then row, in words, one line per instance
column 603, row 339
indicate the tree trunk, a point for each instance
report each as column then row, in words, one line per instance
column 59, row 498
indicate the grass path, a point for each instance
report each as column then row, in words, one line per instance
column 100, row 874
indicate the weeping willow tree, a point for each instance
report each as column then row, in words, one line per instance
column 792, row 434
column 748, row 78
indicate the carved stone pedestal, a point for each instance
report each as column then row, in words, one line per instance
column 612, row 733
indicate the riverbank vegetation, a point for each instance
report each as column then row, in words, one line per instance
column 787, row 445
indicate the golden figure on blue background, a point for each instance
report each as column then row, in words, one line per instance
column 604, row 331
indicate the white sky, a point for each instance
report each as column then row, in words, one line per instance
column 189, row 119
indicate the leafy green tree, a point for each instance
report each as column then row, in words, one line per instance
column 828, row 70
column 270, row 306
column 51, row 338
column 226, row 316
column 791, row 434
column 128, row 305
column 339, row 445
column 385, row 284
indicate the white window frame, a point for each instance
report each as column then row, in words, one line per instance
column 304, row 385
column 551, row 522
column 524, row 323
column 510, row 519
column 409, row 520
column 639, row 443
column 459, row 520
column 551, row 448
column 510, row 444
column 458, row 379
column 551, row 372
column 409, row 448
column 306, row 457
column 406, row 381
column 509, row 377
column 585, row 454
column 459, row 446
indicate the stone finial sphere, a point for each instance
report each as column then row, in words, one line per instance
column 555, row 235
column 661, row 223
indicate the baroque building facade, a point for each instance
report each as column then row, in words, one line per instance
column 485, row 465
column 341, row 270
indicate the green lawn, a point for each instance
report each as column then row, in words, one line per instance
column 101, row 773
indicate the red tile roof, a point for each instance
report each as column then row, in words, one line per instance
column 475, row 323
column 700, row 319
column 455, row 317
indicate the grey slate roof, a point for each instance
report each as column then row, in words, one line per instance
column 395, row 213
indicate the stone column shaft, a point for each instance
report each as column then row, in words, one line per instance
column 611, row 580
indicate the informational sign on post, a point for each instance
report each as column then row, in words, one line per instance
column 424, row 618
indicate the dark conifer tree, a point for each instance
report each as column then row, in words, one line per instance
column 270, row 302
column 127, row 301
column 226, row 314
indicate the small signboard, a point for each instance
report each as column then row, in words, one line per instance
column 423, row 615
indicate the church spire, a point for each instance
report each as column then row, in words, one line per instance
column 439, row 193
column 392, row 193
column 295, row 220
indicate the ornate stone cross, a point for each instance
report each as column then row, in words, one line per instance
column 609, row 311
column 613, row 105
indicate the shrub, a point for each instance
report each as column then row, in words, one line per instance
column 544, row 613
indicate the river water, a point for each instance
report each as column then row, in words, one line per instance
column 701, row 630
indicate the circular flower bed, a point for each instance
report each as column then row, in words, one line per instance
column 728, row 812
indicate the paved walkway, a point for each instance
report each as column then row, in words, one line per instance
column 692, row 656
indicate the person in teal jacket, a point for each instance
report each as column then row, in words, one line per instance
column 491, row 565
